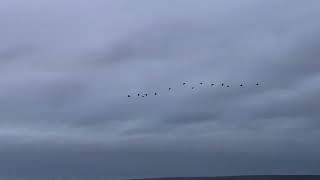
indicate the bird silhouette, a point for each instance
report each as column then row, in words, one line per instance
column 193, row 87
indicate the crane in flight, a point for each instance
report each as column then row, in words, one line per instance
column 192, row 87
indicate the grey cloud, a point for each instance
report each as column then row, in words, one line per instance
column 13, row 53
column 189, row 117
column 64, row 104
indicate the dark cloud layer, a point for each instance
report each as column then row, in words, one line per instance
column 66, row 69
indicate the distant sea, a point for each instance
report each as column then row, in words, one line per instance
column 260, row 177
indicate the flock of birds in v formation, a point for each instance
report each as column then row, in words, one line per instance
column 184, row 84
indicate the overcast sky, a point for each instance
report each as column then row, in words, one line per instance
column 66, row 68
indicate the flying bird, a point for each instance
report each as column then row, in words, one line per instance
column 193, row 87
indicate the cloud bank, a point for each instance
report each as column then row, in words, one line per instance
column 66, row 68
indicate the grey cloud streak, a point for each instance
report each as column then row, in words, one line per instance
column 67, row 67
